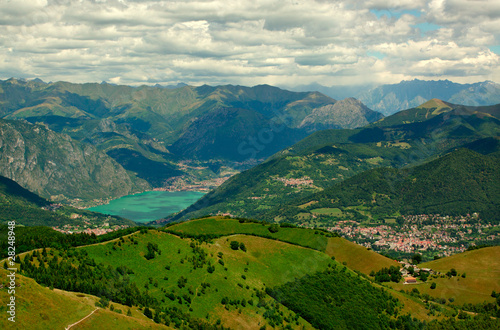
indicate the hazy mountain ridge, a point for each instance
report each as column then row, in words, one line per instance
column 391, row 98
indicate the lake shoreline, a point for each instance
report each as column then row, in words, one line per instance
column 146, row 206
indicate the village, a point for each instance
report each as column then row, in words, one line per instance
column 304, row 181
column 431, row 235
column 89, row 228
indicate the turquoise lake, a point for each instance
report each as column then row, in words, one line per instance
column 150, row 205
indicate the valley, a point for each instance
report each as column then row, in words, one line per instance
column 249, row 165
column 247, row 208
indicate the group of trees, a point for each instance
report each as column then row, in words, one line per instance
column 341, row 295
column 152, row 250
column 235, row 245
column 30, row 238
column 387, row 275
column 75, row 271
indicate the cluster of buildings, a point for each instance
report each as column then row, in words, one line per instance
column 52, row 207
column 421, row 233
column 304, row 181
column 180, row 184
column 89, row 228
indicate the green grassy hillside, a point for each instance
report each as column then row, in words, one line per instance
column 218, row 226
column 39, row 307
column 196, row 276
column 460, row 182
column 355, row 256
column 481, row 275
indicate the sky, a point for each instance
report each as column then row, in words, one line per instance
column 287, row 42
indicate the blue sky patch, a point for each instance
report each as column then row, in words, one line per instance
column 426, row 27
column 376, row 54
column 495, row 49
column 394, row 13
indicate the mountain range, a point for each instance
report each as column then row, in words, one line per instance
column 144, row 137
column 318, row 162
column 152, row 131
column 264, row 249
column 391, row 98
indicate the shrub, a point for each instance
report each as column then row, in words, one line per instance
column 274, row 228
column 148, row 313
column 235, row 245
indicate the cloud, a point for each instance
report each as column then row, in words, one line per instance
column 249, row 42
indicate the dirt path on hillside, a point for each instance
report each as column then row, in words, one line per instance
column 71, row 325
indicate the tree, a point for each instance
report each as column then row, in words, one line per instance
column 274, row 228
column 243, row 247
column 235, row 245
column 423, row 276
column 417, row 258
column 433, row 285
column 148, row 313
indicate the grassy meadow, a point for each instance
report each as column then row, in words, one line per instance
column 221, row 226
column 224, row 272
column 239, row 274
column 478, row 274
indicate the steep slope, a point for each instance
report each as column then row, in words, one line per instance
column 327, row 157
column 39, row 307
column 389, row 99
column 55, row 166
column 143, row 122
column 348, row 113
column 458, row 183
column 234, row 134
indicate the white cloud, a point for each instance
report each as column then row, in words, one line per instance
column 248, row 42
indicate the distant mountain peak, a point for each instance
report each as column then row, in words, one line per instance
column 393, row 98
column 435, row 103
column 346, row 113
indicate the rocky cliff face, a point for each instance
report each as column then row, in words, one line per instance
column 57, row 167
column 347, row 113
